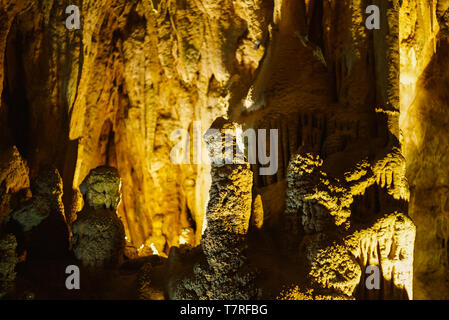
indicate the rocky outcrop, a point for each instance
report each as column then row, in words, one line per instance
column 13, row 179
column 98, row 238
column 98, row 234
column 224, row 275
column 41, row 219
column 102, row 188
column 340, row 238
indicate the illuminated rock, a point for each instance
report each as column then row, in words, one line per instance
column 367, row 108
column 424, row 119
column 225, row 275
column 102, row 188
column 13, row 178
column 347, row 229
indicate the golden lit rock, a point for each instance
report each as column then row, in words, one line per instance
column 360, row 150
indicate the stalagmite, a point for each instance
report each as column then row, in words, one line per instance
column 225, row 274
column 41, row 218
column 98, row 234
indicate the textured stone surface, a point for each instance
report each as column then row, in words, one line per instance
column 361, row 114
column 102, row 188
column 98, row 234
column 32, row 213
column 113, row 91
column 41, row 219
column 13, row 178
column 8, row 261
column 225, row 275
column 340, row 243
column 424, row 50
column 98, row 237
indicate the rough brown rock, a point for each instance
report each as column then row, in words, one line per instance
column 98, row 238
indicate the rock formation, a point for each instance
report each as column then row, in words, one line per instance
column 224, row 275
column 41, row 218
column 361, row 153
column 345, row 227
column 14, row 180
column 98, row 234
column 424, row 49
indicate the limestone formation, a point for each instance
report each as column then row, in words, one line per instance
column 423, row 121
column 98, row 234
column 225, row 274
column 41, row 218
column 340, row 244
column 323, row 201
column 13, row 178
column 361, row 116
column 102, row 188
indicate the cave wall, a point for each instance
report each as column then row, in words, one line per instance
column 114, row 91
column 424, row 46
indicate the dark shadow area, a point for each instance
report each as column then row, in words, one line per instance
column 14, row 93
